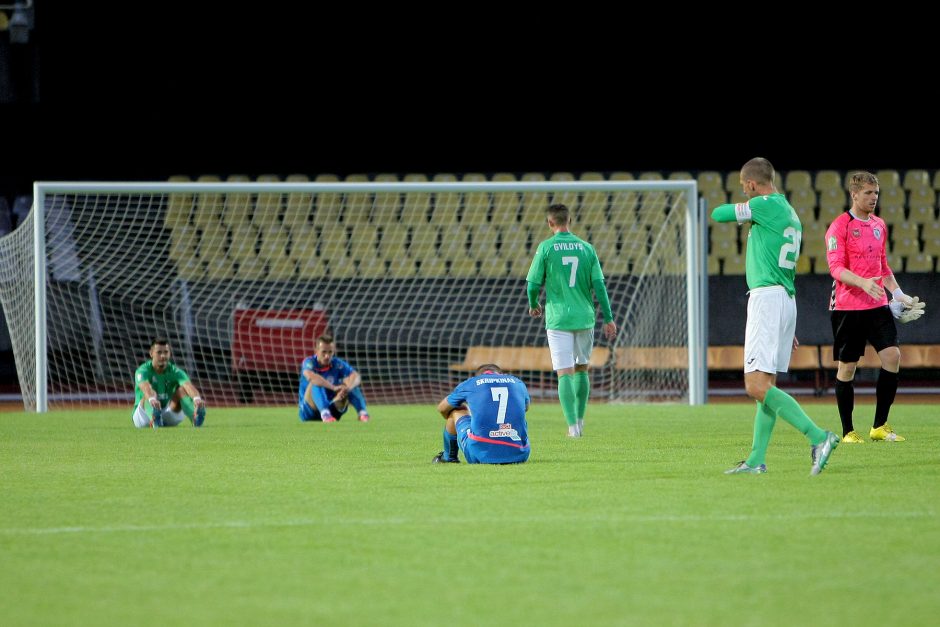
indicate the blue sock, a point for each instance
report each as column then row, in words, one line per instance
column 450, row 446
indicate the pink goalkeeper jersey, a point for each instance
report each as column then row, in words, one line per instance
column 858, row 246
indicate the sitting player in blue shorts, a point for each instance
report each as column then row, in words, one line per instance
column 328, row 385
column 486, row 418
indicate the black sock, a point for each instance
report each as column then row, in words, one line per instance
column 453, row 448
column 885, row 391
column 845, row 399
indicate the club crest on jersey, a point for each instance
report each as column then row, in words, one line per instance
column 876, row 232
column 856, row 233
column 833, row 243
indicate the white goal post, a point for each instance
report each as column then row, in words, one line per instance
column 408, row 276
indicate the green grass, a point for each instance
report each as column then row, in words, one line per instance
column 259, row 519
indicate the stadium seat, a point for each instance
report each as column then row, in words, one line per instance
column 357, row 206
column 179, row 205
column 476, row 205
column 832, row 202
column 869, row 360
column 895, row 262
column 534, row 204
column 363, row 240
column 714, row 197
column 333, row 243
column 606, row 240
column 304, row 238
column 737, row 196
column 594, row 201
column 299, row 205
column 454, row 240
column 190, row 269
column 615, row 266
column 387, row 205
column 268, row 206
column 804, row 265
column 208, row 205
column 423, row 241
column 828, row 179
column 311, row 267
column 282, row 269
column 920, row 262
column 329, row 203
column 921, row 202
column 244, row 242
column 431, row 268
column 401, row 267
column 183, row 243
column 493, row 267
column 213, row 241
column 340, row 267
column 931, row 237
column 887, row 178
column 219, row 268
column 371, row 267
column 709, row 180
column 274, row 243
column 590, row 216
column 516, row 241
column 506, row 208
column 567, row 198
column 393, row 240
column 804, row 200
column 935, row 184
column 733, row 265
column 915, row 179
column 484, row 240
column 250, row 268
column 797, row 179
column 519, row 267
column 417, row 205
column 520, row 358
column 237, row 207
column 891, row 205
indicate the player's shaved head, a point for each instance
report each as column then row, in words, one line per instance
column 758, row 170
column 489, row 368
column 559, row 214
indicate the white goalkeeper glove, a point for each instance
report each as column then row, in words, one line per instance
column 905, row 312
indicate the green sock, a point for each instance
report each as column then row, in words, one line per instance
column 763, row 428
column 188, row 407
column 568, row 398
column 582, row 390
column 785, row 406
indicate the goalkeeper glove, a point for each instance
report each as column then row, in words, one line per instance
column 907, row 313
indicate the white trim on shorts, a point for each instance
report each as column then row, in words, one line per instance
column 771, row 326
column 569, row 348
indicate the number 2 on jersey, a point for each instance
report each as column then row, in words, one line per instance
column 573, row 262
column 793, row 246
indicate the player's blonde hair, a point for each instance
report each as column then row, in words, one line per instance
column 860, row 179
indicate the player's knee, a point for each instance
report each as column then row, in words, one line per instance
column 890, row 358
column 307, row 413
column 756, row 388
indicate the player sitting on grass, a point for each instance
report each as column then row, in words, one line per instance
column 159, row 388
column 328, row 385
column 485, row 418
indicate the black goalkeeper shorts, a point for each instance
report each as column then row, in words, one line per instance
column 852, row 329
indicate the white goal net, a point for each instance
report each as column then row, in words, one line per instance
column 407, row 276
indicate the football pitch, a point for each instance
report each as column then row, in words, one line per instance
column 258, row 519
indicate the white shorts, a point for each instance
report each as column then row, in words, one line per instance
column 142, row 417
column 771, row 325
column 570, row 347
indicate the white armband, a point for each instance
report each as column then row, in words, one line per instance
column 742, row 211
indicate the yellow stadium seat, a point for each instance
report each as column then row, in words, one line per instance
column 219, row 268
column 828, row 179
column 300, row 204
column 891, row 204
column 340, row 267
column 534, row 204
column 733, row 265
column 208, row 205
column 393, row 240
column 887, row 178
column 931, row 236
column 936, row 181
column 401, row 267
column 417, row 205
column 519, row 267
column 804, row 200
column 915, row 179
column 493, row 267
column 462, row 267
column 274, row 242
column 714, row 197
column 357, row 206
column 244, row 242
column 484, row 239
column 506, row 208
column 268, row 205
column 920, row 262
column 250, row 268
column 432, row 267
column 423, row 241
column 567, row 198
column 797, row 179
column 386, row 205
column 454, row 240
column 921, row 202
column 594, row 201
column 304, row 239
column 709, row 180
column 213, row 241
column 311, row 267
column 237, row 206
column 832, row 202
column 371, row 266
column 183, row 243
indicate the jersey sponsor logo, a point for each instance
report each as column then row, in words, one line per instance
column 833, row 243
column 506, row 431
column 568, row 246
column 856, row 233
column 876, row 232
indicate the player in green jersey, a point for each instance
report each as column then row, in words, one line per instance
column 773, row 246
column 569, row 269
column 164, row 393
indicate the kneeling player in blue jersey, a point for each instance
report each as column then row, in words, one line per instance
column 486, row 418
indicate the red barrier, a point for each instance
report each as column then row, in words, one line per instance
column 275, row 339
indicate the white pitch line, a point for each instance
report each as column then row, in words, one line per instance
column 665, row 518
